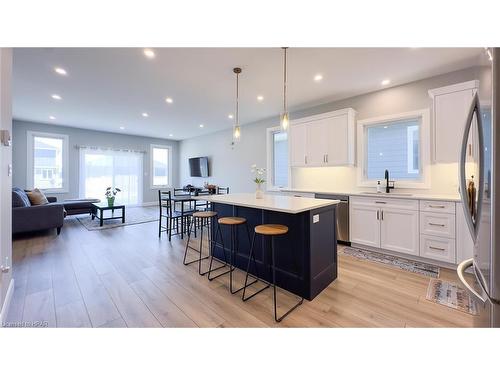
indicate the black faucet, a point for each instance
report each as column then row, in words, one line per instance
column 388, row 185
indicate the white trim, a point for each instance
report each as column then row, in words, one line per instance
column 30, row 160
column 469, row 85
column 324, row 115
column 151, row 169
column 6, row 302
column 425, row 148
column 269, row 160
column 409, row 133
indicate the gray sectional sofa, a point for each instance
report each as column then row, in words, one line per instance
column 28, row 218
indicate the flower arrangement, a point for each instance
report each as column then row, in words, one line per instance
column 110, row 195
column 259, row 179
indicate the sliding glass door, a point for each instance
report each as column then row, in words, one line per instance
column 100, row 169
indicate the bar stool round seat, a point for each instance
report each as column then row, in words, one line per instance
column 204, row 214
column 232, row 220
column 271, row 229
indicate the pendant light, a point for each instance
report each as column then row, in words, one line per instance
column 284, row 118
column 236, row 126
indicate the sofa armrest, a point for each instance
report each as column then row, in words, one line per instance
column 47, row 216
column 52, row 199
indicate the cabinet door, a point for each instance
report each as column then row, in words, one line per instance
column 450, row 115
column 364, row 225
column 317, row 143
column 337, row 137
column 465, row 245
column 298, row 144
column 399, row 230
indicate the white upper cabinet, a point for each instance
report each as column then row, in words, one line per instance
column 451, row 106
column 323, row 140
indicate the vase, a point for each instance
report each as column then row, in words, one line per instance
column 111, row 201
column 258, row 192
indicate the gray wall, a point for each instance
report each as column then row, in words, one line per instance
column 231, row 166
column 88, row 138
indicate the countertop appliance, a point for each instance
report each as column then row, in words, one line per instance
column 481, row 199
column 342, row 216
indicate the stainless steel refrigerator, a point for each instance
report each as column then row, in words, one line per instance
column 480, row 193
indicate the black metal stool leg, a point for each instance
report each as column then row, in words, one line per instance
column 251, row 255
column 210, row 270
column 234, row 247
column 200, row 251
column 274, row 290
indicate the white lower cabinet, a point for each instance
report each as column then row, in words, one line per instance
column 438, row 248
column 399, row 230
column 364, row 224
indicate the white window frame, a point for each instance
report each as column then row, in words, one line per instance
column 30, row 164
column 410, row 131
column 151, row 166
column 269, row 163
column 425, row 150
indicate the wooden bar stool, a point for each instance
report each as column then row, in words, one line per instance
column 271, row 230
column 233, row 222
column 201, row 218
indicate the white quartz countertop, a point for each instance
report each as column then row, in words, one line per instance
column 423, row 196
column 280, row 203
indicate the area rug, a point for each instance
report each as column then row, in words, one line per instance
column 393, row 261
column 451, row 295
column 133, row 215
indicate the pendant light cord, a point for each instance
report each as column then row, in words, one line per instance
column 284, row 81
column 237, row 98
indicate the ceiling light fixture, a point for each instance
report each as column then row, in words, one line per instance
column 170, row 135
column 52, row 117
column 169, row 100
column 60, row 71
column 385, row 82
column 260, row 98
column 230, row 116
column 318, row 77
column 145, row 114
column 202, row 126
column 122, row 127
column 56, row 97
column 284, row 119
column 149, row 53
column 236, row 126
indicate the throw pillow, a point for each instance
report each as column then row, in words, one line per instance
column 36, row 197
column 19, row 198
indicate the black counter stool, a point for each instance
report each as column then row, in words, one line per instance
column 269, row 230
column 201, row 219
column 233, row 223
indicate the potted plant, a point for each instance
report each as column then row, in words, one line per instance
column 110, row 195
column 259, row 180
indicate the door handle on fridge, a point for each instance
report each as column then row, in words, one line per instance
column 461, row 275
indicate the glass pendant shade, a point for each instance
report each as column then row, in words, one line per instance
column 236, row 133
column 285, row 122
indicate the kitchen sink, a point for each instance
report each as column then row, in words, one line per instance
column 387, row 194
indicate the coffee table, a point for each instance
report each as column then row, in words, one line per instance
column 99, row 208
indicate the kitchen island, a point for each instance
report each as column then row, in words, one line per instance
column 306, row 257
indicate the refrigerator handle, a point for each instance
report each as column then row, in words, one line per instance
column 474, row 108
column 461, row 275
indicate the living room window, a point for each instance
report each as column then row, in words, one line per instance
column 47, row 164
column 160, row 166
column 278, row 168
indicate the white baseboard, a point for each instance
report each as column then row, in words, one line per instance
column 6, row 304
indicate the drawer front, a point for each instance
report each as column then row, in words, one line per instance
column 401, row 204
column 437, row 224
column 438, row 206
column 437, row 248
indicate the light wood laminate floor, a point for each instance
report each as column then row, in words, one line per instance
column 128, row 277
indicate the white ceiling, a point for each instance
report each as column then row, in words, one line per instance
column 111, row 87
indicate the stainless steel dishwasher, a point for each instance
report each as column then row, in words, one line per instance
column 342, row 216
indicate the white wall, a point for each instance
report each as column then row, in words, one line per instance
column 5, row 179
column 231, row 167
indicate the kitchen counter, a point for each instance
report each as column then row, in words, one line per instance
column 306, row 257
column 279, row 203
column 394, row 195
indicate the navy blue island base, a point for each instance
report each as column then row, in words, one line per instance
column 306, row 257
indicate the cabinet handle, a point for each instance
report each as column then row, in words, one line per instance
column 327, row 158
column 434, row 206
column 436, row 248
column 305, row 159
column 378, row 215
column 382, row 215
column 437, row 225
column 381, row 202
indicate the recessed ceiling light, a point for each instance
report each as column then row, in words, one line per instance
column 202, row 126
column 122, row 127
column 145, row 114
column 56, row 97
column 385, row 82
column 385, row 127
column 318, row 77
column 169, row 100
column 230, row 116
column 52, row 117
column 60, row 71
column 170, row 135
column 149, row 53
column 260, row 98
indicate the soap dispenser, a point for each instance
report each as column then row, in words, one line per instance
column 378, row 187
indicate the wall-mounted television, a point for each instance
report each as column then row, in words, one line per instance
column 198, row 167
